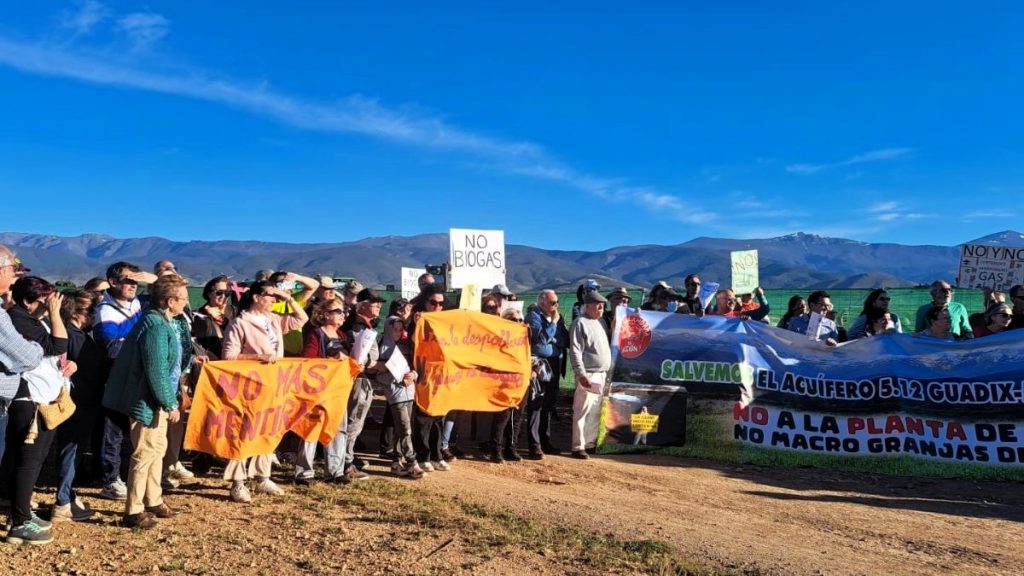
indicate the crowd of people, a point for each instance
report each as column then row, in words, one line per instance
column 107, row 371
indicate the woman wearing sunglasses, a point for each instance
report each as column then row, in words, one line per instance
column 878, row 300
column 209, row 322
column 257, row 333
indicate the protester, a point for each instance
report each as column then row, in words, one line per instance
column 143, row 385
column 174, row 471
column 726, row 304
column 588, row 285
column 350, row 296
column 209, row 322
column 257, row 333
column 997, row 318
column 938, row 323
column 17, row 354
column 616, row 298
column 286, row 282
column 98, row 284
column 549, row 340
column 427, row 429
column 27, row 439
column 1017, row 299
column 651, row 302
column 795, row 308
column 878, row 299
column 87, row 393
column 400, row 396
column 325, row 340
column 689, row 303
column 754, row 305
column 116, row 314
column 489, row 305
column 977, row 319
column 591, row 359
column 819, row 302
column 364, row 349
column 942, row 295
column 663, row 299
column 504, row 432
column 878, row 321
column 501, row 294
column 401, row 308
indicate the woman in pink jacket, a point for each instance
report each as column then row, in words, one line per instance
column 257, row 333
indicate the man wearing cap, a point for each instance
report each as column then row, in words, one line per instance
column 502, row 294
column 17, row 354
column 19, row 270
column 589, row 285
column 616, row 298
column 591, row 359
column 116, row 314
column 365, row 317
column 350, row 296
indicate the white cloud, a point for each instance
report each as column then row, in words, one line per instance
column 884, row 207
column 143, row 29
column 985, row 214
column 892, row 211
column 870, row 156
column 355, row 114
column 82, row 20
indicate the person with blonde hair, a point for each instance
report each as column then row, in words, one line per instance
column 143, row 385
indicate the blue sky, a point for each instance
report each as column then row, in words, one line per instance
column 578, row 126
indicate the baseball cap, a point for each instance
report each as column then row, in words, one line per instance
column 367, row 295
column 326, row 281
column 591, row 285
column 501, row 289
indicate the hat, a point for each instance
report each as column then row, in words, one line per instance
column 326, row 282
column 591, row 285
column 501, row 289
column 594, row 297
column 353, row 287
column 620, row 291
column 19, row 266
column 367, row 295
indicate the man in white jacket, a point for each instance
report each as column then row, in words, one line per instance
column 591, row 359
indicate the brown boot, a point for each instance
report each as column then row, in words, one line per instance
column 536, row 453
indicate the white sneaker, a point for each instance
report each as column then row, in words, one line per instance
column 179, row 472
column 267, row 486
column 114, row 491
column 78, row 511
column 426, row 466
column 442, row 466
column 167, row 484
column 122, row 484
column 239, row 493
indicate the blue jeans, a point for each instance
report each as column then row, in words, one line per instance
column 114, row 441
column 72, row 440
column 334, row 455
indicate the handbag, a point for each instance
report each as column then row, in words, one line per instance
column 55, row 413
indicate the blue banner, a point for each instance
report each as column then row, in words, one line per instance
column 745, row 387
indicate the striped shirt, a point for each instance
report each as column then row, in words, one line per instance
column 112, row 323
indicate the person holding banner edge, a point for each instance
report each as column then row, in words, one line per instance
column 257, row 333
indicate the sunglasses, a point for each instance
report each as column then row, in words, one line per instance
column 336, row 311
column 552, row 302
column 221, row 292
column 1003, row 314
column 127, row 282
column 943, row 289
column 435, row 302
column 884, row 299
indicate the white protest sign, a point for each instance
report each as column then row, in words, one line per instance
column 397, row 365
column 410, row 281
column 476, row 257
column 744, row 271
column 995, row 267
column 819, row 326
column 363, row 345
column 706, row 294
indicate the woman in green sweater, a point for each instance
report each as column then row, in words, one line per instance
column 143, row 385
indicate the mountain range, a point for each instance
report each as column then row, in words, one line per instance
column 794, row 261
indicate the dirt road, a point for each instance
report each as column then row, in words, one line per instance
column 765, row 521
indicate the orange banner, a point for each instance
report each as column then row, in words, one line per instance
column 243, row 408
column 470, row 361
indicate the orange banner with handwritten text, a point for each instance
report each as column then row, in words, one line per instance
column 243, row 408
column 470, row 361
